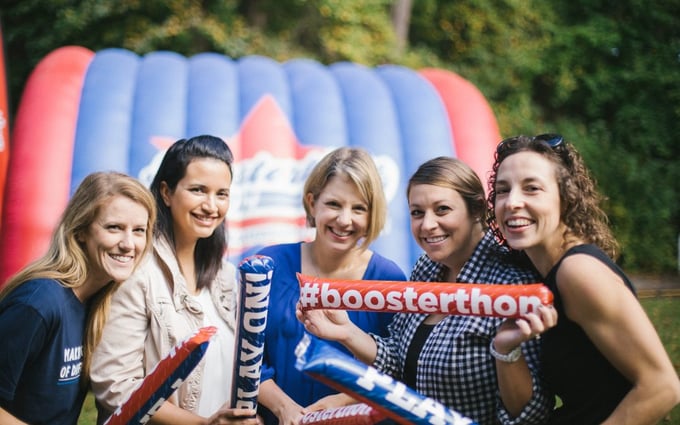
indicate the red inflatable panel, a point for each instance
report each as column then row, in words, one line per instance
column 45, row 124
column 4, row 125
column 473, row 123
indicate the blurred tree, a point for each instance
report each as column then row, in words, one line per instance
column 616, row 67
column 605, row 74
column 401, row 20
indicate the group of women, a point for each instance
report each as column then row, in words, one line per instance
column 132, row 272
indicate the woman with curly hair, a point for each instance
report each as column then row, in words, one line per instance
column 603, row 358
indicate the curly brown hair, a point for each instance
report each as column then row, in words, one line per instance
column 579, row 199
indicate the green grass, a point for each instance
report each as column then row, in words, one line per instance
column 88, row 416
column 664, row 313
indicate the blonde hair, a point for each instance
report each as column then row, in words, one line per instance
column 357, row 165
column 66, row 261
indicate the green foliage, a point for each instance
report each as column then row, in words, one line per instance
column 605, row 74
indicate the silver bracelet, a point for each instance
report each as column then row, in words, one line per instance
column 511, row 357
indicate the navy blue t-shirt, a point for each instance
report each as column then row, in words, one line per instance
column 42, row 326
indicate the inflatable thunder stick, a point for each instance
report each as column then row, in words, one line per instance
column 255, row 280
column 354, row 414
column 422, row 297
column 163, row 380
column 365, row 383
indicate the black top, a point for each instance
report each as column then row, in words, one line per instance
column 588, row 385
column 411, row 365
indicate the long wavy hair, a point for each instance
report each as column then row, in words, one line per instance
column 357, row 165
column 209, row 251
column 66, row 258
column 580, row 202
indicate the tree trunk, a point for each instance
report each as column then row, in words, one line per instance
column 401, row 18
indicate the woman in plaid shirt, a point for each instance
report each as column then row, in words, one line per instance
column 447, row 357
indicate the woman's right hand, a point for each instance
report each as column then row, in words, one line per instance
column 232, row 416
column 333, row 325
column 291, row 414
column 332, row 401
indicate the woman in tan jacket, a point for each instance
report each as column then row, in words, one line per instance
column 184, row 285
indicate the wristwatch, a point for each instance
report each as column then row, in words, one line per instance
column 511, row 357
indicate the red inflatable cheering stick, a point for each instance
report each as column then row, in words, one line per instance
column 163, row 380
column 422, row 297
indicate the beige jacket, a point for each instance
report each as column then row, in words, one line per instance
column 151, row 313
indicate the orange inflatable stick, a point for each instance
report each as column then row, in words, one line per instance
column 472, row 299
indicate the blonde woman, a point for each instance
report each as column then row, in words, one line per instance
column 52, row 312
column 344, row 201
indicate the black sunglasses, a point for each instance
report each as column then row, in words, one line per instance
column 550, row 139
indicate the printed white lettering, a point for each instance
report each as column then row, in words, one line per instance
column 257, row 296
column 373, row 377
column 330, row 297
column 251, row 371
column 249, row 351
column 255, row 321
column 73, row 353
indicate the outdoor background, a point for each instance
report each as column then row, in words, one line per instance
column 605, row 74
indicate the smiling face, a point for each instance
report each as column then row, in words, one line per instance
column 340, row 213
column 527, row 205
column 442, row 225
column 200, row 200
column 115, row 240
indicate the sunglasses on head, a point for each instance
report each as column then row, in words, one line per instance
column 552, row 140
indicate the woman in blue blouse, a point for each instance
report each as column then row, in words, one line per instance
column 446, row 357
column 344, row 201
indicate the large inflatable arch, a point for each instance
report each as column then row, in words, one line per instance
column 83, row 111
column 4, row 125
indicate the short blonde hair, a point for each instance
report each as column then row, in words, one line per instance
column 357, row 165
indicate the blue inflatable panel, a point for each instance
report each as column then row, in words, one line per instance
column 260, row 76
column 422, row 120
column 317, row 102
column 213, row 98
column 160, row 105
column 373, row 124
column 421, row 116
column 103, row 130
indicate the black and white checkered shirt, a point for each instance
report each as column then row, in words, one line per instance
column 455, row 366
